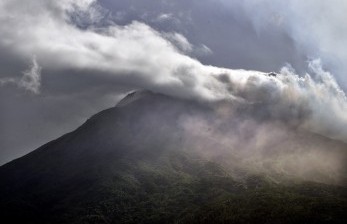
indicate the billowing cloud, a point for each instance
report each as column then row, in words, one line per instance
column 78, row 37
column 135, row 54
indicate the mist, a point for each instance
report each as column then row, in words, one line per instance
column 282, row 152
column 246, row 141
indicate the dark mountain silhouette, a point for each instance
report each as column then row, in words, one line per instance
column 132, row 164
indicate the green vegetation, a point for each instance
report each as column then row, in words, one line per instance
column 122, row 167
column 177, row 188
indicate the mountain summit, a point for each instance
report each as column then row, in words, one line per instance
column 157, row 159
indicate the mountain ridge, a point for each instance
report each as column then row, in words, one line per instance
column 134, row 164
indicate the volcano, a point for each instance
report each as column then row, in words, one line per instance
column 157, row 159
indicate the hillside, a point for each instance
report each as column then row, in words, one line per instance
column 140, row 162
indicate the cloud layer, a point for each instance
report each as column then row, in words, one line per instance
column 68, row 37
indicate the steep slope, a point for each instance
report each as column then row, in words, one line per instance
column 138, row 163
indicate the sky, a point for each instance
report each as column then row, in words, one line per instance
column 63, row 61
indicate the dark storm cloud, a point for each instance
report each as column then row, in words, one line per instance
column 82, row 58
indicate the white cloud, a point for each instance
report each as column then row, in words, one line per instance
column 179, row 41
column 138, row 56
column 135, row 54
column 202, row 50
column 30, row 81
column 164, row 17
